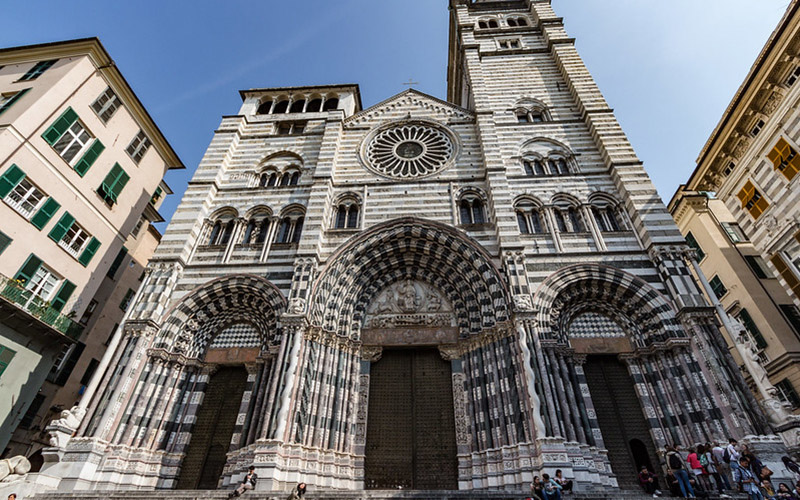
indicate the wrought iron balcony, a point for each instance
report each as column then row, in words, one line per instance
column 14, row 293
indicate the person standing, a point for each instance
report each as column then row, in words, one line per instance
column 248, row 483
column 675, row 463
column 744, row 476
column 723, row 467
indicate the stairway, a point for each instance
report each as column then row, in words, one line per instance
column 334, row 495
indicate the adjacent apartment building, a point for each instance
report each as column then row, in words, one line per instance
column 751, row 159
column 740, row 209
column 81, row 178
column 745, row 286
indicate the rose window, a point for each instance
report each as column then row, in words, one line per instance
column 409, row 151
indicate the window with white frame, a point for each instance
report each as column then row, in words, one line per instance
column 74, row 142
column 138, row 147
column 793, row 77
column 25, row 198
column 729, row 169
column 757, row 128
column 106, row 105
column 42, row 285
column 75, row 239
column 734, row 232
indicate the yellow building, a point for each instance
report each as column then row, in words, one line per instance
column 745, row 286
column 81, row 169
column 751, row 159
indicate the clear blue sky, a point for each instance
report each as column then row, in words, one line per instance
column 668, row 69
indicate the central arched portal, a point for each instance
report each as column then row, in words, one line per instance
column 411, row 441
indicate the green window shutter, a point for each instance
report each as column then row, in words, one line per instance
column 752, row 329
column 89, row 251
column 6, row 355
column 57, row 129
column 13, row 100
column 61, row 227
column 121, row 181
column 117, row 262
column 28, row 269
column 10, row 179
column 63, row 295
column 44, row 214
column 5, row 240
column 89, row 157
column 113, row 183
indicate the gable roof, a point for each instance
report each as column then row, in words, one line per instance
column 92, row 48
column 441, row 105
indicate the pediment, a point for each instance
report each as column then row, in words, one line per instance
column 410, row 104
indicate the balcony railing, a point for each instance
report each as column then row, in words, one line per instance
column 15, row 293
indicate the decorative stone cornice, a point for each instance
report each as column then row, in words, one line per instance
column 163, row 356
column 141, row 328
column 330, row 339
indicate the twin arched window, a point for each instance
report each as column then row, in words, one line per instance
column 298, row 104
column 607, row 217
column 346, row 214
column 568, row 219
column 257, row 229
column 221, row 231
column 486, row 24
column 516, row 21
column 542, row 167
column 291, row 227
column 530, row 218
column 471, row 209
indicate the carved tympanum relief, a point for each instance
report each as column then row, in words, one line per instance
column 409, row 303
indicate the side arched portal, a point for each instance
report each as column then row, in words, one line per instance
column 619, row 354
column 199, row 393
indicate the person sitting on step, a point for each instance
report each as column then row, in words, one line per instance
column 248, row 483
column 566, row 484
column 552, row 490
column 298, row 493
column 649, row 481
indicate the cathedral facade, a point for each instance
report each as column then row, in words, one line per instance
column 424, row 294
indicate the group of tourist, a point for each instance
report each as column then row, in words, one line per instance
column 726, row 468
column 550, row 488
column 730, row 468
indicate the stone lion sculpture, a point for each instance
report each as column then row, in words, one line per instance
column 14, row 468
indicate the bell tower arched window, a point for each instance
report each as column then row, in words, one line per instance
column 291, row 228
column 529, row 218
column 606, row 217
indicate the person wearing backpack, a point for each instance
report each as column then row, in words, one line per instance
column 749, row 482
column 723, row 468
column 675, row 464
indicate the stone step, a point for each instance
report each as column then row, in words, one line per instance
column 336, row 495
